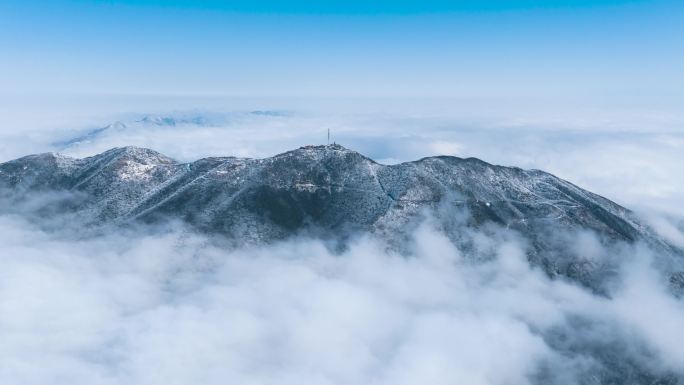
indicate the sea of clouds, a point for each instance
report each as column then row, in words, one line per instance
column 169, row 306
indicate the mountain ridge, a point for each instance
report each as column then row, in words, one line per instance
column 332, row 192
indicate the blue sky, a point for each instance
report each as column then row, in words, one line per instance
column 626, row 51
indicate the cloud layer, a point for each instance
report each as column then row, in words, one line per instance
column 174, row 307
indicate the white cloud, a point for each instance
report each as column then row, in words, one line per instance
column 171, row 308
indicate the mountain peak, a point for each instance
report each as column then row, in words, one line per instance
column 118, row 125
column 158, row 120
column 321, row 152
column 324, row 147
column 139, row 154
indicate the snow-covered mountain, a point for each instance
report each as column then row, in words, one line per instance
column 335, row 193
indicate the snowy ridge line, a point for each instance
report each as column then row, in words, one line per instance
column 335, row 193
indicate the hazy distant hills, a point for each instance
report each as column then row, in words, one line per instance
column 336, row 194
column 146, row 123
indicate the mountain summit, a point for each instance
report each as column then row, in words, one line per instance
column 335, row 193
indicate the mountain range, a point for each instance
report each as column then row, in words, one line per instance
column 333, row 193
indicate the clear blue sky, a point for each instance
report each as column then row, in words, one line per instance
column 600, row 49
